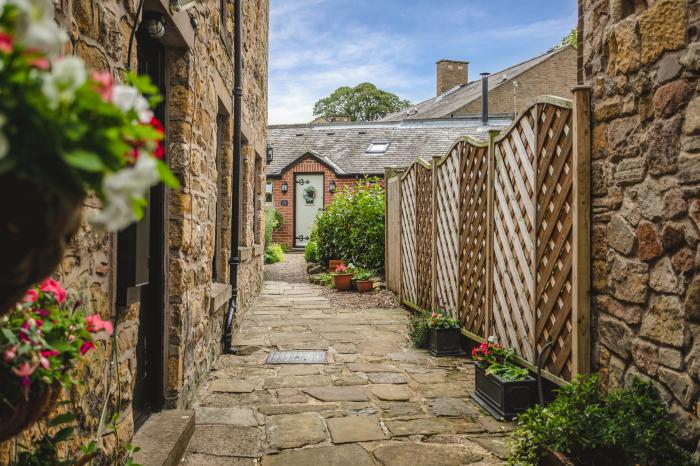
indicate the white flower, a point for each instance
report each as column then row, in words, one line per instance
column 66, row 76
column 491, row 339
column 121, row 189
column 128, row 98
column 37, row 28
column 4, row 143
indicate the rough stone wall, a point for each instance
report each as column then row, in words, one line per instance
column 554, row 76
column 643, row 65
column 285, row 235
column 99, row 33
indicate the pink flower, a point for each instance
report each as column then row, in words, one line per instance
column 87, row 346
column 49, row 353
column 41, row 63
column 30, row 296
column 42, row 312
column 25, row 370
column 6, row 42
column 95, row 324
column 104, row 85
column 44, row 362
column 10, row 354
column 52, row 286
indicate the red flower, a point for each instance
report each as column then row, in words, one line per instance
column 95, row 324
column 87, row 346
column 40, row 63
column 49, row 353
column 159, row 153
column 6, row 42
column 31, row 296
column 42, row 312
column 52, row 286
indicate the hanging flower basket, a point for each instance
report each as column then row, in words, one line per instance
column 27, row 412
column 64, row 133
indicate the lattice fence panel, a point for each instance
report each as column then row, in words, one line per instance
column 408, row 235
column 447, row 240
column 473, row 182
column 424, row 233
column 554, row 238
column 513, row 236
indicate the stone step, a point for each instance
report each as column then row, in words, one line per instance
column 163, row 438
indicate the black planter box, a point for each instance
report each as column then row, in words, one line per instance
column 503, row 399
column 444, row 341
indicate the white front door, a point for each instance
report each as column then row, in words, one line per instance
column 308, row 200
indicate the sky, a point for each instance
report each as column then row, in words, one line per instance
column 317, row 46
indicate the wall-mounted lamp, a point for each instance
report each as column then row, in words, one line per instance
column 270, row 154
column 284, row 188
column 155, row 25
column 331, row 186
column 176, row 6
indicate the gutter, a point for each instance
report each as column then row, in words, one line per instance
column 236, row 182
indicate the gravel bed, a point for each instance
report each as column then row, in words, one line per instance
column 291, row 270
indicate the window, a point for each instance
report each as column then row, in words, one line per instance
column 218, row 259
column 377, row 147
column 268, row 192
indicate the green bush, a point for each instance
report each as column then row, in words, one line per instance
column 352, row 226
column 594, row 428
column 311, row 252
column 269, row 225
column 418, row 330
column 273, row 254
column 326, row 279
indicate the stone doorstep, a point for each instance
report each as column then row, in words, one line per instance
column 163, row 438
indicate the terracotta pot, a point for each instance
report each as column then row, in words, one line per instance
column 39, row 405
column 342, row 282
column 35, row 228
column 333, row 263
column 364, row 286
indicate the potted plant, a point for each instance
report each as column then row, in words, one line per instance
column 443, row 335
column 342, row 278
column 363, row 280
column 501, row 387
column 587, row 425
column 40, row 342
column 64, row 133
column 333, row 263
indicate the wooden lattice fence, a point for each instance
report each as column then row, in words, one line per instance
column 490, row 233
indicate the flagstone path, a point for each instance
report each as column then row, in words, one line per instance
column 378, row 401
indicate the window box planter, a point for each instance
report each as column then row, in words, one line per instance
column 503, row 399
column 364, row 286
column 342, row 281
column 444, row 341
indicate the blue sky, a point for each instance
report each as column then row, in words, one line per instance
column 317, row 46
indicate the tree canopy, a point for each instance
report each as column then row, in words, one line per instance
column 570, row 39
column 364, row 102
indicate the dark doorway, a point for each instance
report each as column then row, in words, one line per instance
column 148, row 388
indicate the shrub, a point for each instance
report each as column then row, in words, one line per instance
column 311, row 252
column 273, row 254
column 418, row 330
column 270, row 221
column 623, row 427
column 363, row 274
column 326, row 279
column 352, row 226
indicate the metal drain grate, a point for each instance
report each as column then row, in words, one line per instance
column 297, row 357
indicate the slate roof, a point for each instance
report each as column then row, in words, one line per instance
column 457, row 97
column 343, row 146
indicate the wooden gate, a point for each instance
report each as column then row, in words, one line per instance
column 496, row 232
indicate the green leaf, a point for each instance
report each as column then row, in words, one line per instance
column 61, row 346
column 167, row 176
column 84, row 160
column 64, row 418
column 63, row 435
column 9, row 336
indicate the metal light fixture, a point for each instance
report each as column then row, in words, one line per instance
column 331, row 186
column 154, row 24
column 176, row 6
column 284, row 188
column 270, row 154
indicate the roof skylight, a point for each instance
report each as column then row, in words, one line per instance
column 377, row 147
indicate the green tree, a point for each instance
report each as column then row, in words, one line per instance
column 570, row 39
column 364, row 102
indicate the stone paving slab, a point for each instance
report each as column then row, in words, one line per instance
column 378, row 401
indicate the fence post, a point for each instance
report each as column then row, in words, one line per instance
column 491, row 172
column 581, row 278
column 387, row 260
column 434, row 233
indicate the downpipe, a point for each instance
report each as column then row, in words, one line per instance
column 228, row 347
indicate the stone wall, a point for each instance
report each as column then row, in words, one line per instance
column 554, row 76
column 642, row 60
column 285, row 235
column 451, row 73
column 198, row 108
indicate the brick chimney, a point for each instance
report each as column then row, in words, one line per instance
column 451, row 73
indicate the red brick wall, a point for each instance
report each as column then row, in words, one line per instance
column 285, row 235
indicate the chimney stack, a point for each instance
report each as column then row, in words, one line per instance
column 485, row 98
column 451, row 73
